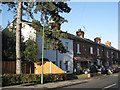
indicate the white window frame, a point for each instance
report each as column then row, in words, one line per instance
column 78, row 49
column 98, row 51
column 91, row 50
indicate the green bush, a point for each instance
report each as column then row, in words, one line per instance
column 12, row 79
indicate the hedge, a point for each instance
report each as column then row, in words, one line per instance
column 13, row 79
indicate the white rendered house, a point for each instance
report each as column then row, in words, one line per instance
column 62, row 60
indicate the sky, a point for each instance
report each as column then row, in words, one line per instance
column 100, row 19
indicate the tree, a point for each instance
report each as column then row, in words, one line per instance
column 9, row 44
column 31, row 52
column 48, row 10
column 18, row 37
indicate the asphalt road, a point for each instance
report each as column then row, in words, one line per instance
column 107, row 82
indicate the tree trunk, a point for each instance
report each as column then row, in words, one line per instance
column 18, row 38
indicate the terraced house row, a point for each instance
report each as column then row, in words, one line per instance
column 81, row 52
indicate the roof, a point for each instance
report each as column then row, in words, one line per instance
column 73, row 37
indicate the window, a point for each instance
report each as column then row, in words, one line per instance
column 78, row 48
column 91, row 50
column 117, row 55
column 66, row 66
column 44, row 46
column 98, row 52
column 111, row 54
column 66, row 46
column 107, row 55
column 60, row 64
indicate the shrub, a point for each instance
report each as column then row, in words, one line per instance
column 12, row 79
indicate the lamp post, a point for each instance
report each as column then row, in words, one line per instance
column 42, row 54
column 43, row 51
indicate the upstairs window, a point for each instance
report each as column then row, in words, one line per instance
column 45, row 46
column 107, row 55
column 60, row 64
column 98, row 53
column 112, row 54
column 78, row 48
column 91, row 50
column 117, row 55
column 66, row 46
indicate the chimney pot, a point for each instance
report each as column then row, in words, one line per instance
column 108, row 43
column 80, row 33
column 97, row 40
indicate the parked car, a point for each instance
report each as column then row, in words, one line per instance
column 93, row 69
column 86, row 71
column 108, row 69
column 114, row 69
column 101, row 68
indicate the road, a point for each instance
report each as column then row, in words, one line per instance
column 106, row 82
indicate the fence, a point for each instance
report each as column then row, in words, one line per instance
column 9, row 67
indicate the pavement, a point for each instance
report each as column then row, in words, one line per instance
column 52, row 85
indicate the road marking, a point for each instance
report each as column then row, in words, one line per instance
column 110, row 86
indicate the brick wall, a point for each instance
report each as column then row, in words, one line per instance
column 85, row 51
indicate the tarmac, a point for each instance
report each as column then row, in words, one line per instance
column 51, row 85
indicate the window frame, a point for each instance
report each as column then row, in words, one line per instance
column 66, row 65
column 78, row 48
column 98, row 52
column 91, row 50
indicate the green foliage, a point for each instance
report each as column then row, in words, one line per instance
column 9, row 44
column 51, row 10
column 31, row 51
column 52, row 37
column 48, row 11
column 12, row 79
column 82, row 75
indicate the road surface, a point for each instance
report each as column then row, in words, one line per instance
column 106, row 82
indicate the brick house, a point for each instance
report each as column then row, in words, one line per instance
column 87, row 52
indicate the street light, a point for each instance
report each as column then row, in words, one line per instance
column 42, row 54
column 43, row 51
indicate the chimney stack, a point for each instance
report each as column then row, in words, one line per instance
column 108, row 43
column 80, row 33
column 97, row 40
column 55, row 25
